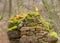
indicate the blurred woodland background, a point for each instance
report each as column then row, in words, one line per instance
column 49, row 10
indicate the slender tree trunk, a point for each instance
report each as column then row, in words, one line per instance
column 10, row 8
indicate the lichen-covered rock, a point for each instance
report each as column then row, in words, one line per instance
column 32, row 29
column 38, row 37
column 13, row 35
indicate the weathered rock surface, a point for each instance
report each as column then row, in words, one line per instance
column 30, row 35
column 37, row 37
column 33, row 31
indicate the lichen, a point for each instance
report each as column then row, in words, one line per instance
column 30, row 21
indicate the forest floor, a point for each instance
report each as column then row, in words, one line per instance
column 3, row 32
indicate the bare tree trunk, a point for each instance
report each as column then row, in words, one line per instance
column 10, row 8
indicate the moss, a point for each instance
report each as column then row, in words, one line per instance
column 29, row 16
column 53, row 34
column 46, row 25
column 12, row 28
column 1, row 17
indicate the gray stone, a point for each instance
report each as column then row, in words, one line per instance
column 24, row 29
column 13, row 34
